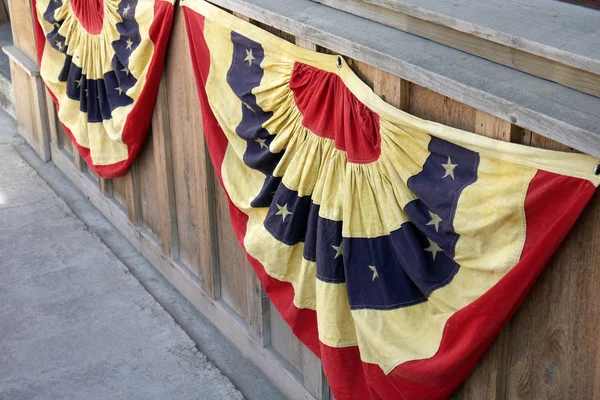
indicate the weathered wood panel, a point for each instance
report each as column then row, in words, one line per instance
column 31, row 110
column 149, row 192
column 232, row 261
column 191, row 181
column 172, row 209
column 22, row 27
column 480, row 44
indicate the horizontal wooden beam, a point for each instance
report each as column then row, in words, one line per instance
column 506, row 51
column 565, row 33
column 18, row 57
column 553, row 110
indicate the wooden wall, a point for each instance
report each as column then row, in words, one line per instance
column 171, row 208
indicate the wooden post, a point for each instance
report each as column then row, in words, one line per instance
column 30, row 101
column 165, row 190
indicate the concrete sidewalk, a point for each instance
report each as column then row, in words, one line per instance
column 74, row 322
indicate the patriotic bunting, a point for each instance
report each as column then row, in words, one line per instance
column 395, row 248
column 101, row 61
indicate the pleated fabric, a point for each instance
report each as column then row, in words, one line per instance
column 101, row 60
column 395, row 248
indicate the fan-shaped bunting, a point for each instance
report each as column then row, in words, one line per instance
column 396, row 248
column 101, row 61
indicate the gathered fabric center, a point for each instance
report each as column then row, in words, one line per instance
column 90, row 14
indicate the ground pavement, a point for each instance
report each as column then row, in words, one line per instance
column 74, row 322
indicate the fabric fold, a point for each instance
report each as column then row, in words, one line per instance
column 101, row 60
column 395, row 248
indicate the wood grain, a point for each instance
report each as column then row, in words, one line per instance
column 164, row 222
column 22, row 27
column 53, row 121
column 432, row 106
column 172, row 210
column 31, row 110
column 285, row 342
column 523, row 26
column 194, row 200
column 232, row 261
column 392, row 89
column 573, row 77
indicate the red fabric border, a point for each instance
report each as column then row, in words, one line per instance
column 139, row 119
column 552, row 205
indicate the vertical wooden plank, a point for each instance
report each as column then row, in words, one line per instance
column 150, row 188
column 232, row 261
column 305, row 44
column 64, row 142
column 494, row 127
column 22, row 27
column 77, row 159
column 20, row 82
column 126, row 192
column 163, row 164
column 285, row 342
column 132, row 195
column 40, row 115
column 259, row 318
column 392, row 89
column 53, row 121
column 119, row 191
column 30, row 106
column 315, row 380
column 193, row 179
column 433, row 106
column 105, row 187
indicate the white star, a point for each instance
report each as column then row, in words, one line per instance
column 59, row 44
column 449, row 167
column 78, row 82
column 126, row 10
column 86, row 91
column 433, row 248
column 126, row 70
column 262, row 142
column 339, row 250
column 118, row 89
column 375, row 274
column 283, row 211
column 435, row 220
column 249, row 57
column 129, row 44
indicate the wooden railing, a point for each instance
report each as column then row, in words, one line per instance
column 170, row 206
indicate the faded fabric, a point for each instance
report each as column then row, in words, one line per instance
column 395, row 248
column 101, row 61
